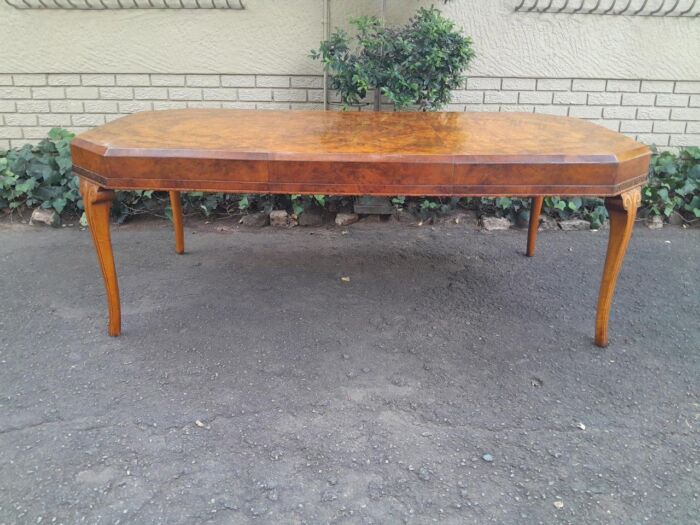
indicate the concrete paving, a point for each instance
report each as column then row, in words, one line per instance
column 450, row 380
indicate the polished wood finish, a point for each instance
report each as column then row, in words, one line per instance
column 356, row 153
column 176, row 207
column 360, row 153
column 535, row 212
column 622, row 211
column 97, row 203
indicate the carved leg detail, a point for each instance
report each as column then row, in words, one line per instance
column 98, row 203
column 176, row 207
column 622, row 211
column 535, row 210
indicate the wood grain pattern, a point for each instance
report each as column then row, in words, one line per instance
column 421, row 154
column 346, row 153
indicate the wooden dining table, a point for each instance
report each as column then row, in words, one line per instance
column 361, row 153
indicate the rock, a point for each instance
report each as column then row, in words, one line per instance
column 372, row 219
column 424, row 474
column 373, row 205
column 311, row 217
column 45, row 216
column 467, row 217
column 675, row 219
column 328, row 495
column 282, row 219
column 522, row 219
column 547, row 223
column 655, row 222
column 487, row 457
column 462, row 217
column 574, row 224
column 345, row 219
column 403, row 216
column 255, row 220
column 495, row 223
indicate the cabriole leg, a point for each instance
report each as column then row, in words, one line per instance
column 97, row 202
column 622, row 211
column 535, row 211
column 176, row 207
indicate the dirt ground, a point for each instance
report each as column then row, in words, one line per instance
column 451, row 380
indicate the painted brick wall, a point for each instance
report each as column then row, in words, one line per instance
column 664, row 113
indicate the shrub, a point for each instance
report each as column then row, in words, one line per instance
column 418, row 64
column 40, row 174
column 674, row 184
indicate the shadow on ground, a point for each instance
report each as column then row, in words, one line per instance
column 252, row 385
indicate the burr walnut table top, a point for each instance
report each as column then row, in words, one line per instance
column 355, row 153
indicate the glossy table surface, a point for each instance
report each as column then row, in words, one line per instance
column 360, row 153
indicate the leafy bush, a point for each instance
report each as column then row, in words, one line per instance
column 418, row 64
column 590, row 209
column 41, row 176
column 674, row 184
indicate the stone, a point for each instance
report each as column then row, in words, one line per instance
column 256, row 220
column 675, row 219
column 403, row 216
column 574, row 225
column 311, row 217
column 547, row 223
column 495, row 223
column 522, row 219
column 462, row 217
column 45, row 216
column 281, row 219
column 655, row 222
column 373, row 205
column 345, row 219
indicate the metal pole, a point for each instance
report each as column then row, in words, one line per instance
column 378, row 90
column 326, row 36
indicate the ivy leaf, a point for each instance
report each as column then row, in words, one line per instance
column 298, row 209
column 59, row 204
column 26, row 186
column 65, row 165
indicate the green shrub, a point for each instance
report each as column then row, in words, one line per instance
column 418, row 64
column 674, row 184
column 41, row 176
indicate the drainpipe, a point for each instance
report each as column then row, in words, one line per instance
column 326, row 36
column 378, row 91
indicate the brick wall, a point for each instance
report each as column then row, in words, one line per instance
column 665, row 113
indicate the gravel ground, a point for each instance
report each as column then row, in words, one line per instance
column 450, row 380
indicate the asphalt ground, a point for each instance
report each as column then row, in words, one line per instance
column 451, row 379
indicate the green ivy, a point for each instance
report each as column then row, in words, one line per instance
column 674, row 184
column 40, row 175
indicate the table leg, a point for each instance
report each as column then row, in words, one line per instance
column 622, row 211
column 535, row 211
column 97, row 202
column 176, row 207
